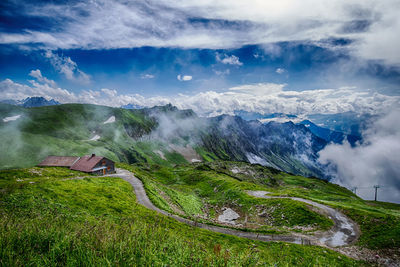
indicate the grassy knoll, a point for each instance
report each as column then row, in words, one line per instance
column 47, row 218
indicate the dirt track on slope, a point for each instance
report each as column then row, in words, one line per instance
column 344, row 232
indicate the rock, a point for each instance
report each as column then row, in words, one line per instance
column 228, row 216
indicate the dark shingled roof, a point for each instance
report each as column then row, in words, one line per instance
column 86, row 163
column 58, row 161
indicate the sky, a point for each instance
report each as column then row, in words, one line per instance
column 295, row 57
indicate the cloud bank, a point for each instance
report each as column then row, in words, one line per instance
column 375, row 162
column 105, row 24
column 264, row 98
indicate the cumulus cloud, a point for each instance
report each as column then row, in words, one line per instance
column 184, row 78
column 231, row 60
column 37, row 74
column 371, row 25
column 259, row 88
column 273, row 99
column 49, row 89
column 17, row 91
column 109, row 92
column 67, row 67
column 264, row 98
column 280, row 70
column 374, row 162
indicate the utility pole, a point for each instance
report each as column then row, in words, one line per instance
column 376, row 191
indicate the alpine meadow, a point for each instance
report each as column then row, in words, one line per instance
column 199, row 133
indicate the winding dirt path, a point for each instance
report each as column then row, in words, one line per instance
column 344, row 231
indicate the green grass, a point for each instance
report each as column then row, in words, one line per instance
column 379, row 222
column 96, row 222
column 213, row 186
column 67, row 130
column 204, row 192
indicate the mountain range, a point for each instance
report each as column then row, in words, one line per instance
column 162, row 135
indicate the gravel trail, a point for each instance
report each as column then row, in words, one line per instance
column 344, row 232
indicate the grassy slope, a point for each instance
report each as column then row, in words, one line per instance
column 379, row 222
column 67, row 130
column 201, row 194
column 48, row 220
column 208, row 187
column 29, row 139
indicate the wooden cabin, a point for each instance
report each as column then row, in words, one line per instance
column 93, row 164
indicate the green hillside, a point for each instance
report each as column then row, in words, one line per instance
column 54, row 216
column 68, row 130
column 200, row 191
column 160, row 135
column 49, row 218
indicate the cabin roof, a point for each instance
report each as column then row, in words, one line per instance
column 86, row 163
column 59, row 161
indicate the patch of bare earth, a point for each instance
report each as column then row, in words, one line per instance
column 160, row 153
column 187, row 152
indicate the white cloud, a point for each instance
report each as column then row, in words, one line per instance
column 280, row 70
column 109, row 92
column 106, row 24
column 48, row 89
column 259, row 88
column 272, row 98
column 17, row 91
column 38, row 75
column 375, row 162
column 147, row 76
column 231, row 60
column 184, row 78
column 264, row 98
column 67, row 67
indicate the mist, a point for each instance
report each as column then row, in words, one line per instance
column 173, row 127
column 374, row 162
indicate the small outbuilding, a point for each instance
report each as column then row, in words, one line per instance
column 93, row 164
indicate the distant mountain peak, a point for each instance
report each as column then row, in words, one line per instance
column 30, row 102
column 132, row 106
column 38, row 101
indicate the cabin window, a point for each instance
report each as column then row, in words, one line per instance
column 103, row 162
column 108, row 168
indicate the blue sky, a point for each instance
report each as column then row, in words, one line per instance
column 213, row 57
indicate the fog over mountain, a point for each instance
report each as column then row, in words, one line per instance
column 374, row 162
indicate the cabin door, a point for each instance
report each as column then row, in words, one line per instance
column 104, row 171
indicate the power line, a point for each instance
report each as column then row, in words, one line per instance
column 375, row 187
